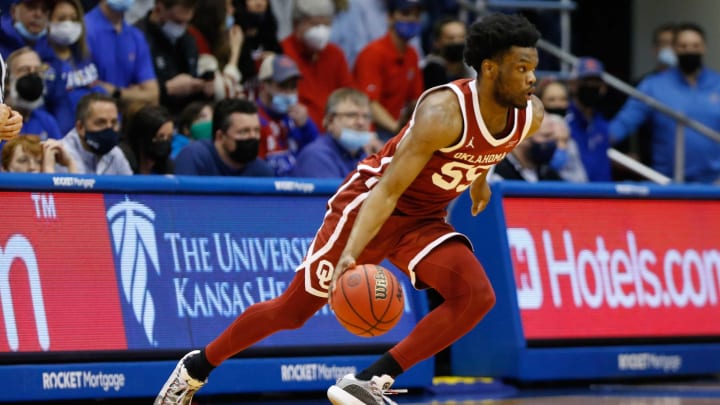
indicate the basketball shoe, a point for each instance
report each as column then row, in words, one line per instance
column 348, row 390
column 180, row 387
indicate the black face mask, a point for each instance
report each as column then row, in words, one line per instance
column 30, row 87
column 102, row 142
column 158, row 150
column 557, row 111
column 589, row 96
column 689, row 62
column 246, row 150
column 541, row 153
column 453, row 52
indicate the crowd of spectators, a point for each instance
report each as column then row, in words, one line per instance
column 303, row 88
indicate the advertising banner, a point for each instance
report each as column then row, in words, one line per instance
column 615, row 268
column 117, row 272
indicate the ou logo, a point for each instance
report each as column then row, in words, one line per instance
column 18, row 247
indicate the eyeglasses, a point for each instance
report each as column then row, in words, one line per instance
column 24, row 70
column 353, row 115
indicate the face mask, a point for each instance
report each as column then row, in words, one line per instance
column 557, row 111
column 317, row 37
column 559, row 159
column 542, row 152
column 201, row 130
column 407, row 29
column 102, row 142
column 158, row 150
column 229, row 21
column 120, row 6
column 30, row 87
column 689, row 62
column 352, row 140
column 453, row 52
column 667, row 57
column 282, row 102
column 589, row 96
column 246, row 150
column 65, row 33
column 29, row 36
column 173, row 31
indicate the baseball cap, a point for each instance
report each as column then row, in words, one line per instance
column 587, row 67
column 394, row 5
column 278, row 68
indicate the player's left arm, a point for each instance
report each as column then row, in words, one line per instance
column 480, row 189
column 11, row 122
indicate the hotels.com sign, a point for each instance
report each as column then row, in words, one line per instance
column 615, row 268
column 58, row 289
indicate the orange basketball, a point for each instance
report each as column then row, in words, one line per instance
column 367, row 300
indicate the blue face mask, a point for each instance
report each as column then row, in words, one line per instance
column 559, row 159
column 407, row 30
column 282, row 102
column 229, row 21
column 352, row 140
column 29, row 36
column 120, row 6
column 667, row 57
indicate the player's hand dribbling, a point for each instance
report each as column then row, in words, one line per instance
column 346, row 262
column 10, row 123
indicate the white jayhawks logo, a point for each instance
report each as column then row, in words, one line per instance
column 133, row 234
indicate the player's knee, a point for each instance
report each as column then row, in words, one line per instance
column 483, row 297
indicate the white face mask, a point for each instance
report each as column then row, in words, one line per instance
column 352, row 139
column 65, row 33
column 317, row 37
column 667, row 57
column 173, row 31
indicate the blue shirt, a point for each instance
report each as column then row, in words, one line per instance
column 43, row 124
column 11, row 40
column 593, row 141
column 325, row 158
column 200, row 158
column 123, row 58
column 700, row 103
column 67, row 81
column 281, row 140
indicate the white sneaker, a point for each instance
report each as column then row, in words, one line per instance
column 180, row 387
column 348, row 390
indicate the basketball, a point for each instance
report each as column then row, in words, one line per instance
column 367, row 300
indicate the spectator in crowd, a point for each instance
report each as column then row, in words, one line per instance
column 286, row 126
column 71, row 73
column 530, row 160
column 193, row 124
column 446, row 64
column 233, row 151
column 387, row 70
column 362, row 22
column 218, row 40
column 28, row 154
column 566, row 160
column 322, row 64
column 93, row 142
column 588, row 127
column 691, row 88
column 259, row 29
column 25, row 25
column 25, row 91
column 174, row 54
column 347, row 121
column 121, row 54
column 665, row 57
column 148, row 140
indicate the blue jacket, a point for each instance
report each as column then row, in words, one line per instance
column 593, row 141
column 701, row 103
column 324, row 157
column 200, row 158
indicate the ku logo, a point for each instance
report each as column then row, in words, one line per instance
column 18, row 247
column 133, row 235
column 529, row 286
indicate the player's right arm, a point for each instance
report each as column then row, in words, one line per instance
column 437, row 124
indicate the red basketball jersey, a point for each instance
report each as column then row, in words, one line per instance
column 451, row 170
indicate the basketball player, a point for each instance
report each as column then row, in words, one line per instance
column 10, row 120
column 394, row 206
